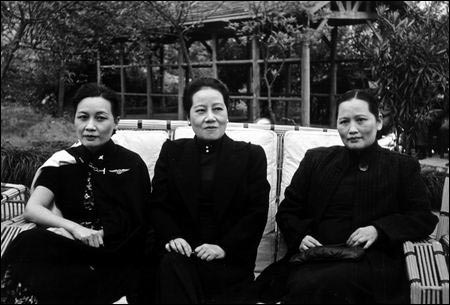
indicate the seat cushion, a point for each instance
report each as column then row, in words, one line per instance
column 295, row 145
column 147, row 143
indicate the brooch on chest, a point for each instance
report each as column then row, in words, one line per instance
column 119, row 171
column 96, row 169
column 363, row 166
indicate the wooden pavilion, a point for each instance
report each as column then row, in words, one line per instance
column 215, row 32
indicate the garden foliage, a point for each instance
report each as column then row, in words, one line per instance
column 20, row 164
column 409, row 60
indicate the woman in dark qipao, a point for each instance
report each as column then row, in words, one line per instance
column 88, row 202
column 210, row 201
column 359, row 195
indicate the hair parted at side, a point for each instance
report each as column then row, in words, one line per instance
column 204, row 82
column 363, row 95
column 95, row 90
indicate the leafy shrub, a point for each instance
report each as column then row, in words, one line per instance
column 20, row 164
column 411, row 66
column 434, row 181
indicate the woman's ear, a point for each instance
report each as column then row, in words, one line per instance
column 380, row 122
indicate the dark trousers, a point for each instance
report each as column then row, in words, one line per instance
column 58, row 270
column 189, row 280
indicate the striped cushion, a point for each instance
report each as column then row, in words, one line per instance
column 11, row 228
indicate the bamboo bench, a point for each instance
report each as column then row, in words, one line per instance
column 284, row 146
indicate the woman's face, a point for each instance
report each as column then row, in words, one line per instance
column 208, row 114
column 356, row 125
column 94, row 122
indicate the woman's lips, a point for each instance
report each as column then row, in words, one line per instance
column 90, row 137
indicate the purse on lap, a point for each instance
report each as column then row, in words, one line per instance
column 328, row 253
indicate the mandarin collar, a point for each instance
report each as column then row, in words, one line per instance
column 98, row 156
column 363, row 158
column 208, row 146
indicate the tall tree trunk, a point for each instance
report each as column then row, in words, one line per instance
column 10, row 51
column 269, row 104
column 187, row 59
column 333, row 78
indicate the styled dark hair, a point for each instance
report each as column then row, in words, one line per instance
column 200, row 83
column 360, row 95
column 95, row 90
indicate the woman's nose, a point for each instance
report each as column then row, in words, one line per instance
column 90, row 125
column 353, row 128
column 210, row 116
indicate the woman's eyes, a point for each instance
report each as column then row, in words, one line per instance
column 359, row 120
column 215, row 109
column 86, row 117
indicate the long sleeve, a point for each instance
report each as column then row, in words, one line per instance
column 414, row 219
column 247, row 232
column 293, row 216
column 160, row 214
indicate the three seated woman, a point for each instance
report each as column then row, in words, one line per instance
column 208, row 208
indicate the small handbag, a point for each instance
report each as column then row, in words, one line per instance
column 335, row 252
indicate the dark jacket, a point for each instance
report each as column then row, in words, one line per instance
column 241, row 196
column 391, row 197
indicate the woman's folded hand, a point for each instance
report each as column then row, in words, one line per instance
column 309, row 242
column 364, row 235
column 93, row 238
column 179, row 245
column 209, row 252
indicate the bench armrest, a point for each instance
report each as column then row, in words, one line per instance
column 427, row 272
column 14, row 198
column 11, row 228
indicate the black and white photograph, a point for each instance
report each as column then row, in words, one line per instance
column 225, row 152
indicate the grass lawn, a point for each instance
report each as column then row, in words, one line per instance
column 23, row 126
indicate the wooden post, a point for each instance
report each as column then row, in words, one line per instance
column 288, row 89
column 99, row 71
column 61, row 87
column 214, row 55
column 161, row 71
column 256, row 87
column 333, row 78
column 305, row 84
column 122, row 81
column 180, row 84
column 149, row 86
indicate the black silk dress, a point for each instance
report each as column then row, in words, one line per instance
column 109, row 190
